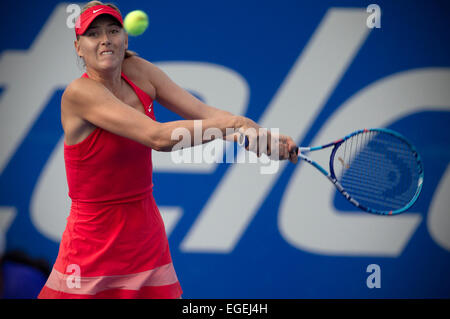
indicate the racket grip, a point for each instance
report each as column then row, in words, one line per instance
column 243, row 141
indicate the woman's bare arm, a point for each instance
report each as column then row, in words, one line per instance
column 94, row 103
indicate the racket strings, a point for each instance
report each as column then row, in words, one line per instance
column 377, row 169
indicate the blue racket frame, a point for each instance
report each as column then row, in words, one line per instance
column 332, row 177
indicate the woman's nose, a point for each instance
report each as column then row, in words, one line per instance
column 105, row 38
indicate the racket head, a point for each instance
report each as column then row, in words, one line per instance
column 378, row 169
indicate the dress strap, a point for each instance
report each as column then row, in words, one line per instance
column 145, row 99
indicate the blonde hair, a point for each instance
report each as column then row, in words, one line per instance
column 128, row 53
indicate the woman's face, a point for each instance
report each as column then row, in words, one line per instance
column 103, row 45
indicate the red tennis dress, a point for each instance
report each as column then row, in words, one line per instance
column 114, row 244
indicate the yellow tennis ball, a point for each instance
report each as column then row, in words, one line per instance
column 136, row 22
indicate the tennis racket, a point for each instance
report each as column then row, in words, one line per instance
column 377, row 170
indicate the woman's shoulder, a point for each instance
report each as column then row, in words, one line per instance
column 138, row 70
column 134, row 66
column 135, row 63
column 79, row 88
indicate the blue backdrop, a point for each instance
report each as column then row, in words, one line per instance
column 313, row 69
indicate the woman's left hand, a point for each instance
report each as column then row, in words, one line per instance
column 287, row 149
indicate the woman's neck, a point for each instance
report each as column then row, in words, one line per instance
column 111, row 80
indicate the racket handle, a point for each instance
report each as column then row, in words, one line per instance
column 243, row 141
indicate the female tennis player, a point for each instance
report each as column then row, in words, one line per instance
column 114, row 244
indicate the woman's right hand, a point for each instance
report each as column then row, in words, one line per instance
column 259, row 138
column 276, row 146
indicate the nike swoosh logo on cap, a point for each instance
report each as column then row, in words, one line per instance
column 94, row 11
